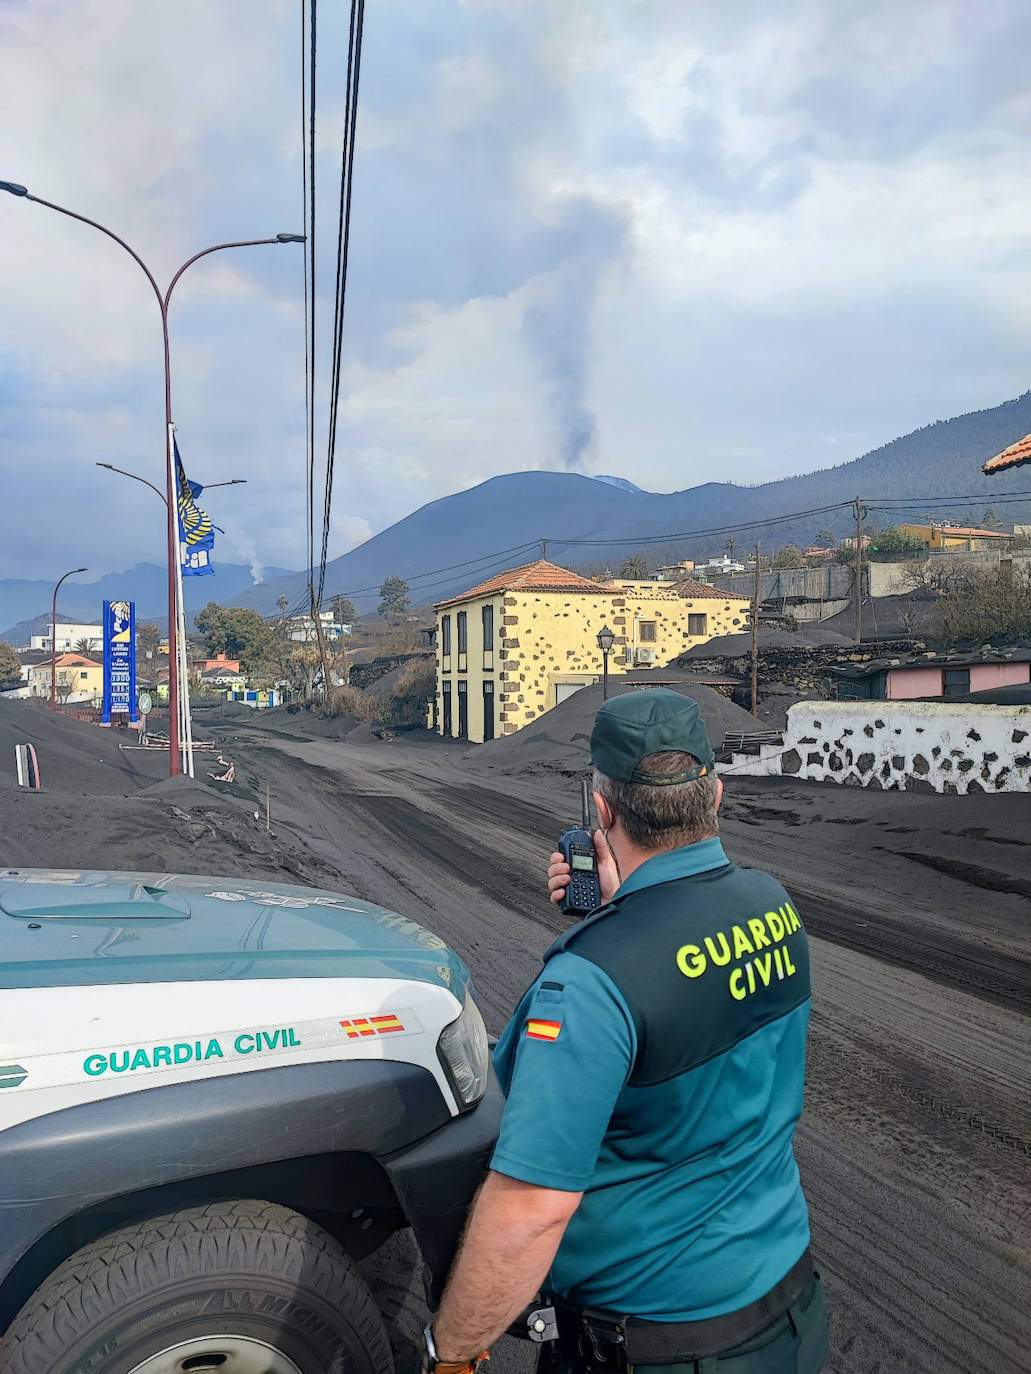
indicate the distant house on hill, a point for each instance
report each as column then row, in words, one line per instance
column 956, row 537
column 224, row 675
column 220, row 663
column 303, row 630
column 515, row 646
column 69, row 635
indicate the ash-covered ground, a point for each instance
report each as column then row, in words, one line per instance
column 916, row 1140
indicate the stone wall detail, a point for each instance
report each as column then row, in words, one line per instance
column 902, row 746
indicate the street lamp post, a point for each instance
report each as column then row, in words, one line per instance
column 53, row 638
column 233, row 481
column 14, row 189
column 180, row 633
column 606, row 639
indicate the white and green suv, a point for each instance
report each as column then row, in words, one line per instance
column 215, row 1096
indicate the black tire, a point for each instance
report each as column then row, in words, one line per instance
column 248, row 1270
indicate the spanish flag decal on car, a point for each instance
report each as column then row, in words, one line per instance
column 542, row 1030
column 360, row 1026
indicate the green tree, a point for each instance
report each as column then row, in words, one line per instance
column 343, row 608
column 148, row 637
column 896, row 545
column 282, row 603
column 240, row 633
column 394, row 599
column 633, row 568
column 790, row 556
column 84, row 647
column 10, row 666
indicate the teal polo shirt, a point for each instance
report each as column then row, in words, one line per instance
column 692, row 1203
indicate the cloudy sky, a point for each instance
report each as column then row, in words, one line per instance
column 671, row 240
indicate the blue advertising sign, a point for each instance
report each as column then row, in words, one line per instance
column 119, row 659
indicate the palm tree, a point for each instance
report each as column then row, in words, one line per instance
column 282, row 603
column 633, row 568
column 84, row 647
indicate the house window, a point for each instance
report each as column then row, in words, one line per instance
column 646, row 631
column 955, row 682
column 697, row 624
column 488, row 628
column 446, row 713
column 84, row 674
column 463, row 632
column 463, row 710
column 445, row 636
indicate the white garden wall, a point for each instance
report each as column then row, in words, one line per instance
column 914, row 746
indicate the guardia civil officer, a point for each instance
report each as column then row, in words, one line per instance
column 644, row 1177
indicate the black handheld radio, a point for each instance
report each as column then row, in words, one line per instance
column 577, row 848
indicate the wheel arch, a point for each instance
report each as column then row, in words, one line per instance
column 280, row 1135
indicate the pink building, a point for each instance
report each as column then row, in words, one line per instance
column 887, row 680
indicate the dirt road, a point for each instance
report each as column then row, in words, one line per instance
column 916, row 1142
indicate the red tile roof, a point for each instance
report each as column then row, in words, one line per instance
column 691, row 590
column 541, row 576
column 1012, row 457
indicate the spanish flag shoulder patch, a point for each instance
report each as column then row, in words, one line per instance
column 542, row 1030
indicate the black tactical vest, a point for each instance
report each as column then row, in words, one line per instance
column 702, row 963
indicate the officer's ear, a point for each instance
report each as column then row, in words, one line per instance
column 605, row 813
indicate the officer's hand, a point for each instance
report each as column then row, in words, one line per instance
column 558, row 877
column 608, row 874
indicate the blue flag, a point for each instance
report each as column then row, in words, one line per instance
column 196, row 532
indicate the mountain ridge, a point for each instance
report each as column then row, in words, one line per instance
column 457, row 541
column 23, row 601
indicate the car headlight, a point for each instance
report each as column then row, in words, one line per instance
column 464, row 1052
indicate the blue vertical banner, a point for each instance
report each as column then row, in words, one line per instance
column 119, row 659
column 196, row 532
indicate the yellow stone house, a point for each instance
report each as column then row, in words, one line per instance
column 956, row 537
column 79, row 679
column 518, row 644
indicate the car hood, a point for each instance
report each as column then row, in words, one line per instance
column 61, row 928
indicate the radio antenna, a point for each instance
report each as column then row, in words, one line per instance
column 586, row 799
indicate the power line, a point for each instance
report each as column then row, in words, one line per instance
column 354, row 59
column 758, row 523
column 485, row 562
column 989, row 498
column 308, row 116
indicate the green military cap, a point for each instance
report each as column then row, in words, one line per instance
column 657, row 721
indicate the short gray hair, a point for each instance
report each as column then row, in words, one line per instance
column 663, row 817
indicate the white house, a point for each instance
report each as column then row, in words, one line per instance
column 302, row 630
column 68, row 637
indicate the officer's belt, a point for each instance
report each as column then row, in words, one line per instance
column 646, row 1342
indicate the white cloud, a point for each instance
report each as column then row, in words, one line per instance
column 778, row 235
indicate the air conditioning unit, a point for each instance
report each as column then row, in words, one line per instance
column 645, row 655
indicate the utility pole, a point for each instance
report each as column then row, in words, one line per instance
column 755, row 635
column 859, row 570
column 544, row 549
column 317, row 621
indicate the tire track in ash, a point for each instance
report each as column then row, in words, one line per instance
column 441, row 846
column 944, row 958
column 952, row 962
